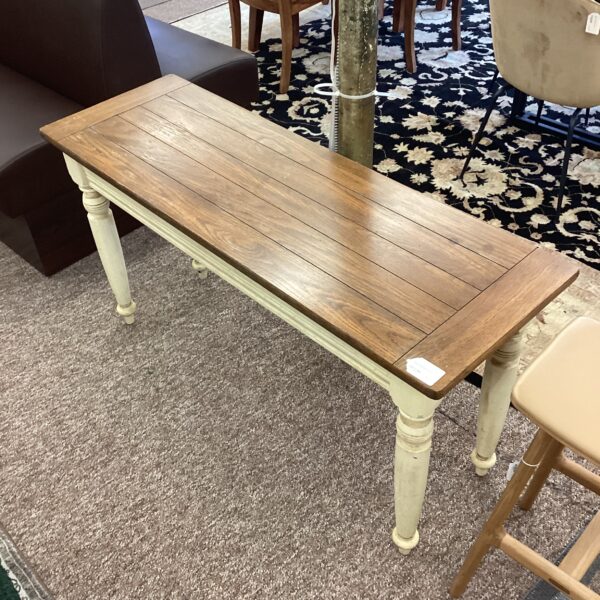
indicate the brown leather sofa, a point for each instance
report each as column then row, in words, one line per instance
column 57, row 56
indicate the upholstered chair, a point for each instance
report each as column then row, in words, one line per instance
column 543, row 50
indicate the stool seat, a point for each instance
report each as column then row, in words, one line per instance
column 560, row 390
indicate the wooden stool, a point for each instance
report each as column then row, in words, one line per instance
column 559, row 392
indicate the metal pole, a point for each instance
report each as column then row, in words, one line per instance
column 357, row 73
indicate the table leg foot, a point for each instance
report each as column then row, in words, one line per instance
column 404, row 545
column 200, row 268
column 414, row 430
column 499, row 378
column 482, row 465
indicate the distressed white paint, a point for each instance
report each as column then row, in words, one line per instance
column 499, row 379
column 107, row 240
column 201, row 268
column 414, row 430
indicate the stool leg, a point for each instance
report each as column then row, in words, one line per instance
column 398, row 16
column 494, row 525
column 440, row 4
column 565, row 165
column 499, row 378
column 480, row 132
column 255, row 28
column 540, row 476
column 296, row 28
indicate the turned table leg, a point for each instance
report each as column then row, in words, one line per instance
column 200, row 268
column 414, row 430
column 499, row 378
column 107, row 240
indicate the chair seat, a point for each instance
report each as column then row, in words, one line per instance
column 560, row 390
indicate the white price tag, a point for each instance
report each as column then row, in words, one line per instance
column 593, row 24
column 511, row 470
column 424, row 371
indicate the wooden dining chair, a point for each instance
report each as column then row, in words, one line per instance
column 404, row 17
column 560, row 393
column 289, row 17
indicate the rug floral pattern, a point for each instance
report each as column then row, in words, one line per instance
column 423, row 134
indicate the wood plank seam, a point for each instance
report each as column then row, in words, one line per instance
column 354, row 192
column 323, row 206
column 393, row 218
column 316, row 266
column 239, row 183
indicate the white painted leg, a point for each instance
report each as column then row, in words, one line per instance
column 499, row 378
column 202, row 270
column 414, row 429
column 107, row 241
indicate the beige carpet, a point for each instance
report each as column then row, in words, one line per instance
column 175, row 10
column 211, row 452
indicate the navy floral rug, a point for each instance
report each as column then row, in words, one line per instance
column 423, row 136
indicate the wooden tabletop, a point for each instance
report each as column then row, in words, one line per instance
column 389, row 270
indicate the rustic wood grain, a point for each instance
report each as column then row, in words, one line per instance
column 379, row 285
column 238, row 165
column 79, row 121
column 460, row 262
column 495, row 244
column 461, row 343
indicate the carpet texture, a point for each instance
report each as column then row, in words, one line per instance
column 212, row 452
column 17, row 580
column 423, row 136
column 171, row 11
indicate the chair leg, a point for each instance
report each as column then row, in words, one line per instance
column 541, row 474
column 456, row 12
column 409, row 10
column 494, row 525
column 587, row 116
column 236, row 23
column 494, row 79
column 540, row 109
column 565, row 166
column 380, row 9
column 296, row 30
column 501, row 90
column 255, row 28
column 398, row 16
column 440, row 4
column 287, row 43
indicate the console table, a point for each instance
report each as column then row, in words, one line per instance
column 410, row 292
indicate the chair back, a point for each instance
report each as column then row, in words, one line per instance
column 543, row 50
column 86, row 50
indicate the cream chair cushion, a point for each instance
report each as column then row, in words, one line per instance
column 560, row 390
